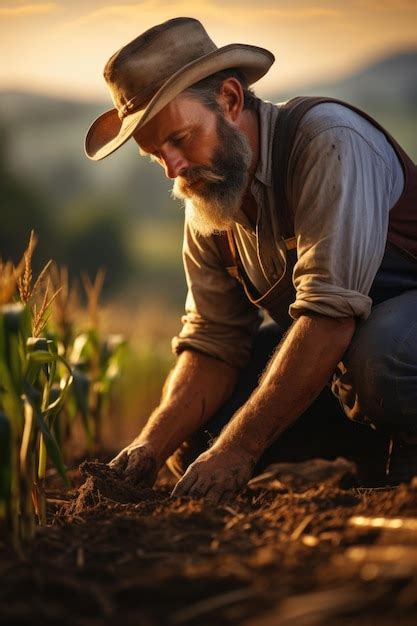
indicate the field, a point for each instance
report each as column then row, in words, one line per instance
column 305, row 544
column 300, row 546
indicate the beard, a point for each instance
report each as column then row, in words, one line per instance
column 213, row 195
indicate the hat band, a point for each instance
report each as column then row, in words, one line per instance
column 134, row 104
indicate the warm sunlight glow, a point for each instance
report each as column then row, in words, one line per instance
column 61, row 47
column 27, row 9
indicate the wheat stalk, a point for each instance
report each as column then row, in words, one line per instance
column 40, row 319
column 24, row 279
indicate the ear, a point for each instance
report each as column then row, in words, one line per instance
column 231, row 98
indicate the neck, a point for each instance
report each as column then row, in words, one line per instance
column 250, row 126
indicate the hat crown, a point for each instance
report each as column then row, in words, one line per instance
column 153, row 69
column 136, row 71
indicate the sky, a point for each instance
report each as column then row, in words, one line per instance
column 61, row 47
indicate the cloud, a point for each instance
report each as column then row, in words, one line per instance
column 306, row 13
column 28, row 9
column 389, row 6
column 149, row 7
column 210, row 8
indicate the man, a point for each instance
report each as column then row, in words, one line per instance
column 351, row 296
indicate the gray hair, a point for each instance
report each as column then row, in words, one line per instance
column 207, row 90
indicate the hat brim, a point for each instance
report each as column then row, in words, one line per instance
column 107, row 133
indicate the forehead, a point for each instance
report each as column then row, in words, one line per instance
column 180, row 114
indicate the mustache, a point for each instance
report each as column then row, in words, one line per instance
column 201, row 173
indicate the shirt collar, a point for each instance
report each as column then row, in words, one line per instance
column 267, row 113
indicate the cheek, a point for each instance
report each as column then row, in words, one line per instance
column 202, row 150
column 204, row 143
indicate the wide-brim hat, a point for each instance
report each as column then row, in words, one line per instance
column 150, row 71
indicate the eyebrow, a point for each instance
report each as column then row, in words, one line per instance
column 168, row 138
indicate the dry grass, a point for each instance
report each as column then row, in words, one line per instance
column 66, row 306
column 8, row 278
column 93, row 291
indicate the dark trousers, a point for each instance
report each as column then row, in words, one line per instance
column 374, row 385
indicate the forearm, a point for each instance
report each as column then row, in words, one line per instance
column 300, row 368
column 197, row 386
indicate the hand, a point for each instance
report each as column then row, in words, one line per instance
column 138, row 462
column 217, row 474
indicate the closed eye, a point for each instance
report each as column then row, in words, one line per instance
column 177, row 140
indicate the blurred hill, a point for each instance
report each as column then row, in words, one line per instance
column 125, row 199
column 46, row 136
column 387, row 89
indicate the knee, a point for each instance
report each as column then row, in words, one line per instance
column 377, row 379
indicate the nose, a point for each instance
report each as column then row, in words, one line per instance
column 174, row 162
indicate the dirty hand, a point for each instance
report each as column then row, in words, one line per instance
column 138, row 462
column 217, row 474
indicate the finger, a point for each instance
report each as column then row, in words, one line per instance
column 215, row 493
column 199, row 489
column 227, row 496
column 122, row 457
column 136, row 461
column 138, row 477
column 119, row 461
column 142, row 466
column 184, row 484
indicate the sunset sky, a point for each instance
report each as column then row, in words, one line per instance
column 61, row 47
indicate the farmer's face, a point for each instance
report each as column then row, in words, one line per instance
column 207, row 156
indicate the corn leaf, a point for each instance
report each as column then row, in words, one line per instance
column 52, row 448
column 5, row 459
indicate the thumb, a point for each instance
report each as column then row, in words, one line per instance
column 119, row 462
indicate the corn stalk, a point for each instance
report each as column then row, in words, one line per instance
column 28, row 408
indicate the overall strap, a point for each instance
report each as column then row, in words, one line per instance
column 402, row 229
column 289, row 116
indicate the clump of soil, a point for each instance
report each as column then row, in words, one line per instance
column 281, row 554
column 302, row 476
column 102, row 481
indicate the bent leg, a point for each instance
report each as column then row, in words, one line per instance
column 376, row 381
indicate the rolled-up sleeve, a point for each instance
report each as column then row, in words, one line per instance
column 219, row 320
column 340, row 192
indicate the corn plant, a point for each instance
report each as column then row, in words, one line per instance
column 96, row 363
column 49, row 375
column 30, row 398
column 96, row 360
column 29, row 403
column 14, row 331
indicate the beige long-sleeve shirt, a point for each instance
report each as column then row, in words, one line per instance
column 345, row 178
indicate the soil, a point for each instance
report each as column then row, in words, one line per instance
column 301, row 546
